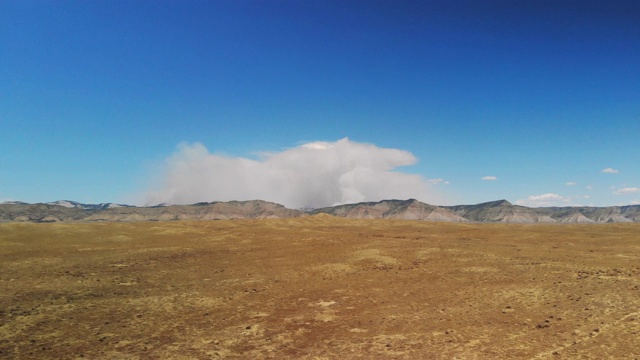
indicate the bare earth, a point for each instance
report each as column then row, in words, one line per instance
column 319, row 288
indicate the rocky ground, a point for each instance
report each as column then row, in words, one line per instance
column 319, row 287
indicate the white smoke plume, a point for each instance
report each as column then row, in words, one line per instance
column 312, row 175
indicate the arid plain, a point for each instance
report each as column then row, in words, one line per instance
column 319, row 287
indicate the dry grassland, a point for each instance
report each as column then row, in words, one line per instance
column 319, row 288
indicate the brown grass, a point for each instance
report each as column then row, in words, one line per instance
column 319, row 288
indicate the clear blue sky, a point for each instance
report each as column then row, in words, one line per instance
column 541, row 95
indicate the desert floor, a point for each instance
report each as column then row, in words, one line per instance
column 319, row 288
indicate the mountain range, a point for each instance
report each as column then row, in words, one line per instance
column 411, row 209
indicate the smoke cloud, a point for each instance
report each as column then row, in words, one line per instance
column 312, row 175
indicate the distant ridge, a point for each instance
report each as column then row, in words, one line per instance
column 500, row 211
column 77, row 205
column 503, row 211
column 72, row 211
column 392, row 209
column 411, row 209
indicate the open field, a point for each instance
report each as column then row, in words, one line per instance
column 319, row 287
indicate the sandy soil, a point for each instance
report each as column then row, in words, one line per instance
column 319, row 288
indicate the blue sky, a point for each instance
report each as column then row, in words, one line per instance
column 97, row 96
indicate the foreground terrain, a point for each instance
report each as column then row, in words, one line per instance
column 319, row 287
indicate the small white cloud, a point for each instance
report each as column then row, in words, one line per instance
column 6, row 200
column 570, row 183
column 545, row 197
column 610, row 171
column 549, row 199
column 587, row 196
column 438, row 181
column 589, row 187
column 626, row 191
column 489, row 178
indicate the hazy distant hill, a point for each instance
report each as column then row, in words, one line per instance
column 504, row 211
column 494, row 211
column 631, row 212
column 73, row 211
column 39, row 212
column 500, row 211
column 392, row 209
column 77, row 205
column 255, row 209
